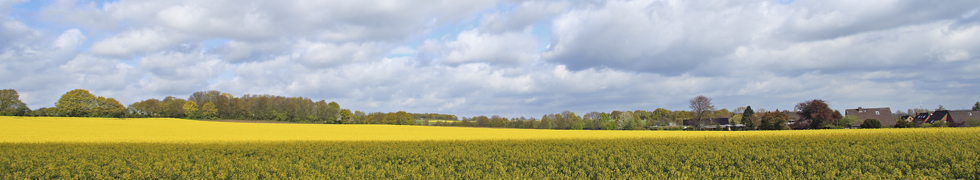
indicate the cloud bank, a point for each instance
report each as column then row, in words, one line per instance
column 511, row 58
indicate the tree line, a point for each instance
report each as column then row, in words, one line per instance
column 616, row 120
column 209, row 105
column 813, row 114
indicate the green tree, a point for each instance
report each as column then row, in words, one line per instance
column 209, row 111
column 466, row 122
column 577, row 122
column 606, row 122
column 10, row 104
column 76, row 103
column 546, row 122
column 592, row 120
column 658, row 115
column 773, row 121
column 357, row 118
column 51, row 111
column 748, row 116
column 331, row 112
column 871, row 124
column 482, row 121
column 146, row 108
column 735, row 119
column 173, row 107
column 346, row 116
column 846, row 121
column 404, row 118
column 976, row 107
column 626, row 121
column 190, row 110
column 108, row 107
column 722, row 113
column 680, row 116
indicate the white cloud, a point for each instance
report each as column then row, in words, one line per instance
column 402, row 50
column 75, row 12
column 69, row 40
column 482, row 58
column 239, row 51
column 15, row 34
column 509, row 48
column 676, row 37
column 523, row 16
column 183, row 66
column 137, row 41
column 666, row 36
column 99, row 73
column 264, row 20
column 318, row 55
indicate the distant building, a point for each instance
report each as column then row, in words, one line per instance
column 957, row 118
column 709, row 123
column 794, row 116
column 906, row 118
column 883, row 114
column 938, row 116
column 920, row 118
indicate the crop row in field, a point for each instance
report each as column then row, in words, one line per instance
column 950, row 153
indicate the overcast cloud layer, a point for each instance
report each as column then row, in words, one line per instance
column 511, row 58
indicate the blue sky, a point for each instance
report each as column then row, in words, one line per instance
column 510, row 58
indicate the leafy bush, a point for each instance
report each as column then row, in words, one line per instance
column 971, row 122
column 578, row 125
column 846, row 121
column 902, row 123
column 609, row 126
column 871, row 123
column 939, row 124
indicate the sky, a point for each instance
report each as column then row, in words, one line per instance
column 511, row 58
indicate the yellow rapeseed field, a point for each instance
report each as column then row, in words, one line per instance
column 73, row 129
column 100, row 148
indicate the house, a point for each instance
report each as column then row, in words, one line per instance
column 938, row 116
column 794, row 117
column 662, row 124
column 883, row 114
column 920, row 118
column 709, row 123
column 958, row 117
column 905, row 118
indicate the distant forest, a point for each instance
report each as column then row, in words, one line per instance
column 212, row 105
